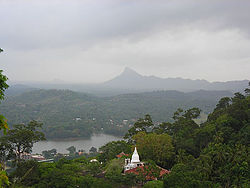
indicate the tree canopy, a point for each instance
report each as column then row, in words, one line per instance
column 156, row 147
column 222, row 149
column 111, row 149
column 3, row 126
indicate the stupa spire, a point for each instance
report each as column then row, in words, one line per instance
column 135, row 157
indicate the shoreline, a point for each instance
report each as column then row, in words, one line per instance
column 61, row 145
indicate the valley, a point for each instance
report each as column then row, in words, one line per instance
column 66, row 114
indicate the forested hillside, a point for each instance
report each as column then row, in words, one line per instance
column 213, row 154
column 68, row 114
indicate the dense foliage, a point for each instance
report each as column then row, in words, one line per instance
column 3, row 87
column 3, row 125
column 68, row 114
column 111, row 149
column 158, row 148
column 61, row 174
column 220, row 154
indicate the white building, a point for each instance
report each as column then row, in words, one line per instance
column 135, row 161
column 28, row 156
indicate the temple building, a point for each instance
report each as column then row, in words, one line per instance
column 136, row 167
column 134, row 163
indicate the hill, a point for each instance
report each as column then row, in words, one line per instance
column 17, row 89
column 69, row 114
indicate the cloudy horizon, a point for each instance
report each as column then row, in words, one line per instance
column 91, row 41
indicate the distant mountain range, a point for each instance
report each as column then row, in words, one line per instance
column 129, row 81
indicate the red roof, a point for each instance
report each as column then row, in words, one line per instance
column 121, row 154
column 164, row 171
column 149, row 176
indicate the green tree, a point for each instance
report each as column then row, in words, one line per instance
column 156, row 147
column 153, row 184
column 223, row 141
column 3, row 125
column 184, row 176
column 141, row 125
column 225, row 164
column 62, row 174
column 4, row 181
column 188, row 114
column 48, row 154
column 72, row 150
column 233, row 121
column 114, row 174
column 204, row 135
column 183, row 157
column 27, row 173
column 223, row 103
column 111, row 149
column 247, row 90
column 114, row 170
column 3, row 87
column 21, row 138
column 3, row 84
column 184, row 130
column 164, row 127
column 93, row 150
column 6, row 152
column 94, row 168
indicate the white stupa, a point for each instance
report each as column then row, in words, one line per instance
column 135, row 157
column 135, row 161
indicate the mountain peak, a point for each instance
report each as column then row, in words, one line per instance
column 129, row 71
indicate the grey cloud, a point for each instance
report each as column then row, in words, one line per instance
column 47, row 24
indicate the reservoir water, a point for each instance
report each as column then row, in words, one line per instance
column 61, row 145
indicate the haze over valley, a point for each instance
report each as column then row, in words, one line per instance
column 129, row 81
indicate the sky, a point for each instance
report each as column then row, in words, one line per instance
column 91, row 41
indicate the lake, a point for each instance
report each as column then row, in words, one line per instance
column 61, row 145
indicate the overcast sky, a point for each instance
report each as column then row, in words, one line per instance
column 87, row 41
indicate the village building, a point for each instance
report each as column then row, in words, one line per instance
column 37, row 157
column 120, row 155
column 28, row 156
column 93, row 160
